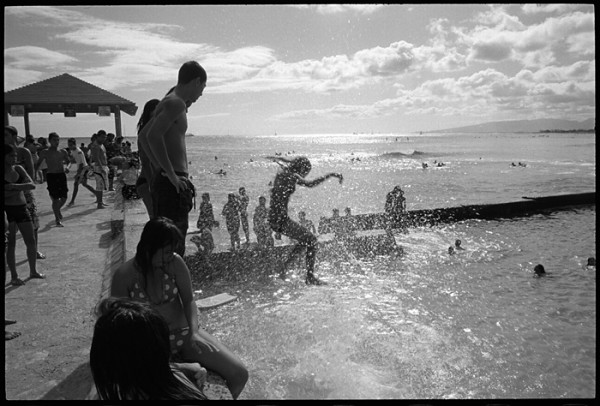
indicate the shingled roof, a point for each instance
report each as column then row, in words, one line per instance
column 65, row 92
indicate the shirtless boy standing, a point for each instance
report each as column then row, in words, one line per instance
column 163, row 141
column 100, row 167
column 56, row 159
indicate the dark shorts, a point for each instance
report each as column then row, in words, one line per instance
column 17, row 214
column 57, row 185
column 166, row 202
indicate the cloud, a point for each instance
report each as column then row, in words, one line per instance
column 31, row 56
column 499, row 37
column 327, row 9
column 549, row 8
column 557, row 91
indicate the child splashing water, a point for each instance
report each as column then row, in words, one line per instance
column 284, row 186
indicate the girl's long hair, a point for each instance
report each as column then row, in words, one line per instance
column 157, row 233
column 129, row 357
column 147, row 113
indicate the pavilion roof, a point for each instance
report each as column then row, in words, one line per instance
column 65, row 92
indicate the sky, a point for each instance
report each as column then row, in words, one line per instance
column 314, row 69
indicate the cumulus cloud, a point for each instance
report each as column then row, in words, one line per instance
column 31, row 56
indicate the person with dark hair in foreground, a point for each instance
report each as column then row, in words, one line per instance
column 129, row 357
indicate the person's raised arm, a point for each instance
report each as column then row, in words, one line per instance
column 155, row 137
column 312, row 183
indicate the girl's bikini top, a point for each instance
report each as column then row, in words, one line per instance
column 170, row 291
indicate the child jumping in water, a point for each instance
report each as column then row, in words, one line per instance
column 284, row 186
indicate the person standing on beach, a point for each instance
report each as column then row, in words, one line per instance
column 395, row 210
column 8, row 335
column 82, row 171
column 16, row 180
column 262, row 229
column 43, row 145
column 163, row 142
column 243, row 201
column 112, row 150
column 143, row 182
column 24, row 158
column 232, row 220
column 100, row 166
column 284, row 186
column 56, row 159
column 32, row 146
column 206, row 218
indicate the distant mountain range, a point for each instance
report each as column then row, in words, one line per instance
column 525, row 126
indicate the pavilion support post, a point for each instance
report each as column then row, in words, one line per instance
column 26, row 122
column 117, row 122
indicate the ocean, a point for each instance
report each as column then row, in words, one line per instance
column 476, row 325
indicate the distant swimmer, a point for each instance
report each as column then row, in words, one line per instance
column 512, row 164
column 591, row 263
column 293, row 173
column 451, row 250
column 457, row 244
column 539, row 270
column 522, row 164
column 221, row 172
column 424, row 164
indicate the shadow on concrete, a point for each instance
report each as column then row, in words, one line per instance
column 75, row 386
column 105, row 225
column 105, row 240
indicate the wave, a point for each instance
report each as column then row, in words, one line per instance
column 400, row 155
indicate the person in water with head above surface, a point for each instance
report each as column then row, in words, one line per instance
column 293, row 173
column 457, row 244
column 539, row 270
column 591, row 263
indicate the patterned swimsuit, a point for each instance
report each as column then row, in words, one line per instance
column 178, row 336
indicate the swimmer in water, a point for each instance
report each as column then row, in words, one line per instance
column 539, row 270
column 451, row 250
column 293, row 173
column 591, row 263
column 457, row 244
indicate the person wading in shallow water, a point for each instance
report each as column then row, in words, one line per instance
column 293, row 173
